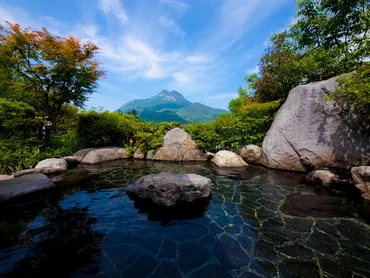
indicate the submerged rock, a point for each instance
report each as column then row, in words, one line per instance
column 361, row 179
column 51, row 165
column 310, row 205
column 251, row 153
column 94, row 156
column 311, row 132
column 179, row 146
column 23, row 185
column 323, row 177
column 228, row 159
column 167, row 189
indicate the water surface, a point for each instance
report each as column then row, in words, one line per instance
column 259, row 223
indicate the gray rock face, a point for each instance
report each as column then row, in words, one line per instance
column 251, row 153
column 94, row 156
column 23, row 185
column 5, row 177
column 167, row 189
column 80, row 155
column 139, row 155
column 323, row 177
column 361, row 179
column 150, row 155
column 178, row 146
column 311, row 132
column 25, row 172
column 228, row 159
column 51, row 165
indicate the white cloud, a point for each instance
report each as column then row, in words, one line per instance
column 114, row 7
column 177, row 4
column 171, row 25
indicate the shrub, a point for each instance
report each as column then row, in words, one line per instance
column 17, row 119
column 97, row 129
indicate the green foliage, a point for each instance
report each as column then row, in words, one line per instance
column 231, row 131
column 151, row 135
column 18, row 154
column 17, row 118
column 355, row 90
column 97, row 129
column 52, row 69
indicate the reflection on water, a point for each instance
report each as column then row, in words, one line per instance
column 259, row 223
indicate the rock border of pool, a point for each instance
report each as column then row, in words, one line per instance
column 179, row 146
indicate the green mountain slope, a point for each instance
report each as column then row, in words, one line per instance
column 198, row 112
column 171, row 106
column 161, row 116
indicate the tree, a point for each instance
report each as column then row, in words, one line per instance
column 278, row 70
column 338, row 26
column 53, row 69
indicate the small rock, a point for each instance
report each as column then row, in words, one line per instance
column 23, row 185
column 361, row 179
column 71, row 160
column 52, row 165
column 228, row 159
column 210, row 155
column 25, row 172
column 139, row 155
column 166, row 189
column 251, row 153
column 150, row 155
column 323, row 177
column 105, row 154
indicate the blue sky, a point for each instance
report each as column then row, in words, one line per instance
column 201, row 48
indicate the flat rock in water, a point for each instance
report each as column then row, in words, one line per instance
column 23, row 185
column 104, row 154
column 166, row 189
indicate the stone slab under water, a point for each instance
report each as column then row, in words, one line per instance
column 259, row 223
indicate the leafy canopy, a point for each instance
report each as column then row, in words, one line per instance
column 52, row 69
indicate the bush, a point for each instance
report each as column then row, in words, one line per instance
column 98, row 129
column 151, row 135
column 17, row 119
column 231, row 131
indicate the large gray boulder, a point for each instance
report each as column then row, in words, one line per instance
column 228, row 159
column 166, row 189
column 94, row 156
column 311, row 132
column 251, row 153
column 178, row 146
column 51, row 165
column 361, row 179
column 23, row 185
